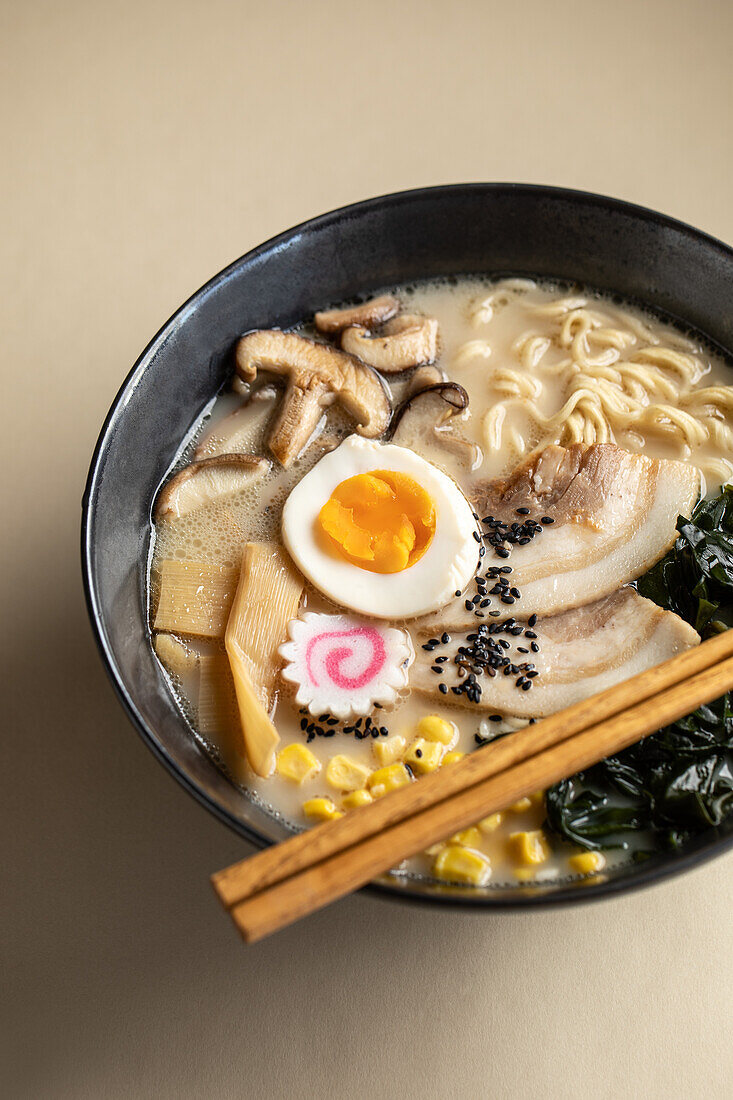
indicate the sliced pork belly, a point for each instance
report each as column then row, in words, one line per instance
column 580, row 652
column 613, row 515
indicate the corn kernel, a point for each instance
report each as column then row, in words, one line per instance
column 525, row 874
column 391, row 777
column 424, row 756
column 457, row 864
column 530, row 847
column 321, row 809
column 491, row 823
column 297, row 763
column 520, row 806
column 469, row 838
column 378, row 790
column 434, row 728
column 345, row 774
column 390, row 749
column 353, row 799
column 453, row 757
column 585, row 863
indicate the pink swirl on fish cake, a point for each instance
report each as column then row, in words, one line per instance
column 334, row 659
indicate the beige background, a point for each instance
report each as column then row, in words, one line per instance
column 144, row 146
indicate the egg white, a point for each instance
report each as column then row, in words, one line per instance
column 447, row 565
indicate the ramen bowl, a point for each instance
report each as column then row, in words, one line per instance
column 475, row 229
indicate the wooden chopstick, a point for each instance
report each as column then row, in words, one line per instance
column 238, row 882
column 322, row 883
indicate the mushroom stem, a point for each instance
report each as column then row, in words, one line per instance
column 300, row 411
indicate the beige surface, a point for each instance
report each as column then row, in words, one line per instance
column 145, row 145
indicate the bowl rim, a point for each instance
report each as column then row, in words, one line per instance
column 703, row 849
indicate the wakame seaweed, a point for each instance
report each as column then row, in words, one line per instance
column 679, row 781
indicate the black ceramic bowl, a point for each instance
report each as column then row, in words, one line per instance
column 496, row 229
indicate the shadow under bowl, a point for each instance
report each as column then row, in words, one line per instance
column 484, row 229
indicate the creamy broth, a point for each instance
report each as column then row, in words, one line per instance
column 506, row 345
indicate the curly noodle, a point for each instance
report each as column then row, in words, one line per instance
column 619, row 382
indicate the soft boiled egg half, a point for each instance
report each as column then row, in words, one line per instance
column 381, row 531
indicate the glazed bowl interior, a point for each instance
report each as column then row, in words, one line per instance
column 486, row 229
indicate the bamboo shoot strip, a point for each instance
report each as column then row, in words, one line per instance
column 195, row 598
column 267, row 597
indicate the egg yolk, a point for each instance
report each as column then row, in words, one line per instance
column 382, row 521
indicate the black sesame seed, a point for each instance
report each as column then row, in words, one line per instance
column 530, row 634
column 443, row 689
column 515, row 592
column 531, row 620
column 546, row 519
column 445, row 638
column 534, row 647
column 375, row 732
column 418, row 753
column 477, row 536
column 436, row 668
column 495, row 718
column 522, row 511
column 521, row 649
column 526, row 685
column 384, row 731
column 502, row 552
column 507, row 599
column 304, row 723
column 468, row 604
column 457, row 592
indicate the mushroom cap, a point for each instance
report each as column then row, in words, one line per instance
column 241, row 431
column 448, row 398
column 374, row 312
column 406, row 341
column 318, row 375
column 206, row 480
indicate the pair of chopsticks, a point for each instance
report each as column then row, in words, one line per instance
column 290, row 880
